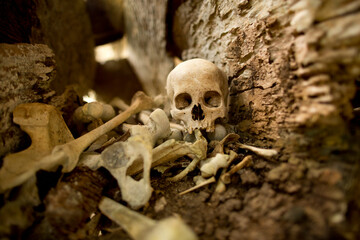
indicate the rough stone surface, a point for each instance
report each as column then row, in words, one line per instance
column 146, row 32
column 26, row 72
column 282, row 75
column 65, row 27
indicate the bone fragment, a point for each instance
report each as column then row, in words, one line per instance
column 140, row 227
column 219, row 147
column 172, row 150
column 265, row 153
column 232, row 137
column 92, row 111
column 218, row 134
column 204, row 183
column 210, row 166
column 46, row 128
column 226, row 177
column 220, row 186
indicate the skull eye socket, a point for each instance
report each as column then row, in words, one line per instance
column 212, row 99
column 183, row 100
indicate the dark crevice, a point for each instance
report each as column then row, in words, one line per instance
column 171, row 47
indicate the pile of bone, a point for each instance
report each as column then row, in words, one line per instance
column 197, row 91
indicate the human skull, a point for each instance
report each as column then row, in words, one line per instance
column 198, row 92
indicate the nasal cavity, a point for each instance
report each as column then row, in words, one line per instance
column 197, row 113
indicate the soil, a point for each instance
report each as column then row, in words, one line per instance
column 256, row 205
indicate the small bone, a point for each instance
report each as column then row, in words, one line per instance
column 140, row 227
column 210, row 166
column 172, row 150
column 204, row 183
column 46, row 128
column 221, row 187
column 219, row 147
column 232, row 137
column 198, row 154
column 218, row 134
column 226, row 177
column 265, row 153
column 92, row 111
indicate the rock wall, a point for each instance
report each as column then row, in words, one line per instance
column 65, row 27
column 290, row 64
column 145, row 28
column 26, row 72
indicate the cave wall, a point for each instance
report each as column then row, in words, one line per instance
column 291, row 64
column 45, row 46
column 26, row 72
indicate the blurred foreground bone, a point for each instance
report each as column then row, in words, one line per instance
column 136, row 151
column 47, row 129
column 68, row 154
column 140, row 227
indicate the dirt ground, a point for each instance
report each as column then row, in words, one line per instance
column 254, row 206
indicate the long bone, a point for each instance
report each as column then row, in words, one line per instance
column 140, row 227
column 68, row 154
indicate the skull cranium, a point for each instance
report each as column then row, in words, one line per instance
column 198, row 92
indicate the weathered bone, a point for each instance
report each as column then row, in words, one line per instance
column 232, row 137
column 200, row 185
column 92, row 111
column 140, row 227
column 172, row 150
column 137, row 151
column 210, row 166
column 46, row 128
column 265, row 153
column 68, row 154
column 245, row 162
column 166, row 152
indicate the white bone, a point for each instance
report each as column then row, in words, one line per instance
column 200, row 185
column 265, row 153
column 140, row 227
column 210, row 166
column 92, row 111
column 198, row 92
